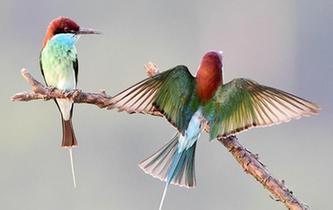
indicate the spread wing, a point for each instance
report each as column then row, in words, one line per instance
column 169, row 93
column 242, row 104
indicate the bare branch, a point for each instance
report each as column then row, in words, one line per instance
column 255, row 168
column 39, row 91
column 151, row 69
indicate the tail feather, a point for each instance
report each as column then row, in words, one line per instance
column 68, row 136
column 158, row 164
column 184, row 173
column 163, row 196
column 72, row 166
column 172, row 166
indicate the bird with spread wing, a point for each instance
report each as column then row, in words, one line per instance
column 191, row 104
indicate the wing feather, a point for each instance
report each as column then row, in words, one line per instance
column 168, row 93
column 243, row 104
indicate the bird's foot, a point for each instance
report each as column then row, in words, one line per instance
column 71, row 93
column 49, row 89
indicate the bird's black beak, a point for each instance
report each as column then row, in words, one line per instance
column 87, row 31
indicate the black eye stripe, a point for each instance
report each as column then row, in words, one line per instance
column 64, row 30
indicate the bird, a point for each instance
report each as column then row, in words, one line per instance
column 59, row 67
column 193, row 104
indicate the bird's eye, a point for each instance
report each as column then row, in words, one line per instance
column 66, row 29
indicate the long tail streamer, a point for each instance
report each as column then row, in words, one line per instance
column 72, row 166
column 163, row 196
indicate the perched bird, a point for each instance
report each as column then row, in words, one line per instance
column 59, row 67
column 194, row 103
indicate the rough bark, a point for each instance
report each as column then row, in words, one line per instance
column 251, row 165
column 39, row 91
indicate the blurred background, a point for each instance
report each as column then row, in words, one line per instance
column 284, row 44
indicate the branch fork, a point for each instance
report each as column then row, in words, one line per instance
column 39, row 91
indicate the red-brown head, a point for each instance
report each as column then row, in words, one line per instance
column 209, row 75
column 64, row 25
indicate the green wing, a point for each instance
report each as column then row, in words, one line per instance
column 242, row 104
column 169, row 93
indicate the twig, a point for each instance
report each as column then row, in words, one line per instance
column 245, row 158
column 254, row 167
column 39, row 91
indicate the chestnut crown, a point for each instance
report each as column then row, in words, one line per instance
column 60, row 25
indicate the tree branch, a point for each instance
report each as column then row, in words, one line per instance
column 245, row 158
column 257, row 169
column 39, row 91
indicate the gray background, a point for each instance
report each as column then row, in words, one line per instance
column 285, row 44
